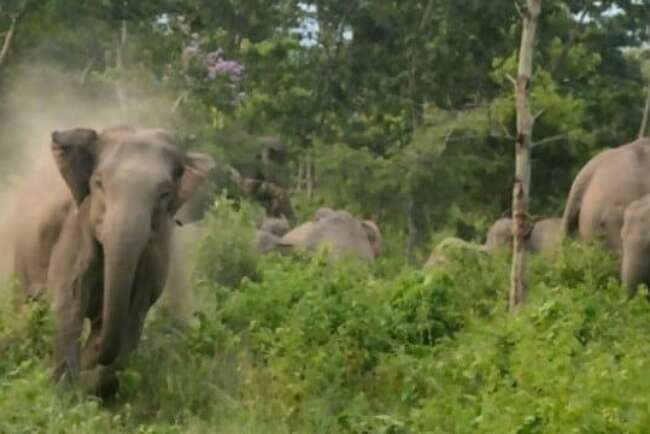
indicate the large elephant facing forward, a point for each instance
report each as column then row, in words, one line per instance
column 94, row 229
column 604, row 188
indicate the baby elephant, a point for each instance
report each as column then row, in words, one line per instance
column 544, row 236
column 635, row 238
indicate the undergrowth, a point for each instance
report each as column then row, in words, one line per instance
column 310, row 348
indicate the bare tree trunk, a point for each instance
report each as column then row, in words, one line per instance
column 523, row 145
column 646, row 112
column 416, row 120
column 9, row 36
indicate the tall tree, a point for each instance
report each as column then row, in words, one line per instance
column 523, row 145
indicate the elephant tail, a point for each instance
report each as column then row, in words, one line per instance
column 571, row 214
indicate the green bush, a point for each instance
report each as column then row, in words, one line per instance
column 227, row 251
column 311, row 348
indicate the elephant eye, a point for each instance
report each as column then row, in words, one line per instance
column 165, row 196
column 98, row 184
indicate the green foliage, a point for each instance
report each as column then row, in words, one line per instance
column 408, row 113
column 227, row 251
column 315, row 349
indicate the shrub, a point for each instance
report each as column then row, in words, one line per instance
column 227, row 251
column 307, row 347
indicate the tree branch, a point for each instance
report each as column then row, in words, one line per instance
column 539, row 114
column 8, row 38
column 84, row 74
column 551, row 139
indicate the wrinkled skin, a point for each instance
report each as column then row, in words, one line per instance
column 602, row 191
column 94, row 229
column 344, row 234
column 635, row 236
column 544, row 236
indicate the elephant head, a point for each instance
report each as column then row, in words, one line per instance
column 131, row 183
column 499, row 235
column 275, row 226
column 635, row 238
column 322, row 213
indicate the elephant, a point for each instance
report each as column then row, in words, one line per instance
column 269, row 234
column 499, row 235
column 275, row 226
column 635, row 237
column 264, row 182
column 92, row 232
column 544, row 235
column 267, row 242
column 603, row 189
column 344, row 234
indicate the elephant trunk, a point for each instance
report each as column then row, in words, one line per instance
column 124, row 240
column 635, row 269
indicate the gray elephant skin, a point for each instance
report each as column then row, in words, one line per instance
column 268, row 236
column 602, row 191
column 635, row 237
column 545, row 235
column 94, row 229
column 344, row 235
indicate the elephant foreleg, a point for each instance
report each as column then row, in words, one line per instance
column 141, row 303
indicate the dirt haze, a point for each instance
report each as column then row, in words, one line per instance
column 43, row 98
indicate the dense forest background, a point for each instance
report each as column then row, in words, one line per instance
column 403, row 109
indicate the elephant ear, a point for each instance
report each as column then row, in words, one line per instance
column 196, row 169
column 74, row 154
column 374, row 235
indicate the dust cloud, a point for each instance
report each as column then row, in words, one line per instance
column 41, row 98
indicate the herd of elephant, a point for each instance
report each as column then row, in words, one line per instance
column 609, row 201
column 94, row 230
